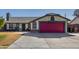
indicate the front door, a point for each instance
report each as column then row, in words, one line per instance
column 23, row 27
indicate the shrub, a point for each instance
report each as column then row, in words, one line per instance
column 1, row 23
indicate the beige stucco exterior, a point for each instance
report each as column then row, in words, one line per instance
column 48, row 18
column 57, row 18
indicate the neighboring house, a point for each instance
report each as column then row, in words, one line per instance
column 49, row 23
column 74, row 25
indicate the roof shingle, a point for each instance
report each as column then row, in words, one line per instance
column 20, row 19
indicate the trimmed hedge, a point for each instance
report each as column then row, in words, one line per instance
column 1, row 23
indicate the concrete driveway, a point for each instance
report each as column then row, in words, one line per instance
column 46, row 41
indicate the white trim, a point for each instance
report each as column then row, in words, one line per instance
column 66, row 27
column 37, row 25
column 31, row 26
column 7, row 26
column 26, row 26
column 20, row 27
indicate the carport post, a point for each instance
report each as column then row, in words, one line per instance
column 20, row 27
column 37, row 25
column 66, row 27
column 31, row 26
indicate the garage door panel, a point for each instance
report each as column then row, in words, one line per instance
column 51, row 26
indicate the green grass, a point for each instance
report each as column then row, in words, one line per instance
column 3, row 47
column 2, row 37
column 1, row 23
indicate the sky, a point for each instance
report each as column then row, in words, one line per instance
column 37, row 12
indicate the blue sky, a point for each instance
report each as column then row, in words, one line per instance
column 37, row 12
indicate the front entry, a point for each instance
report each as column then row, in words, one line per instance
column 23, row 27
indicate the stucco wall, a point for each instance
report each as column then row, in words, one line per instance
column 57, row 18
column 47, row 18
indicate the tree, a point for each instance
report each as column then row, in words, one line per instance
column 1, row 22
column 76, row 12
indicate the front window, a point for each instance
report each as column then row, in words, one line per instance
column 17, row 27
column 10, row 26
column 34, row 25
column 14, row 26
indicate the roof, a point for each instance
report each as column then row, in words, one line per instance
column 31, row 19
column 54, row 14
column 16, row 22
column 51, row 14
column 20, row 19
column 75, row 21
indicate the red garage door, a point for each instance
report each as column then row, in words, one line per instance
column 56, row 27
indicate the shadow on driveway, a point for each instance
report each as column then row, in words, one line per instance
column 47, row 35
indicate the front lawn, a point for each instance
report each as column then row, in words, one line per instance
column 7, row 38
column 2, row 37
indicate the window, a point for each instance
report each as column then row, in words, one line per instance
column 10, row 26
column 34, row 25
column 52, row 18
column 17, row 27
column 14, row 26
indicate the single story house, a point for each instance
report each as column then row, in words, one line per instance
column 50, row 22
column 74, row 25
column 17, row 23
